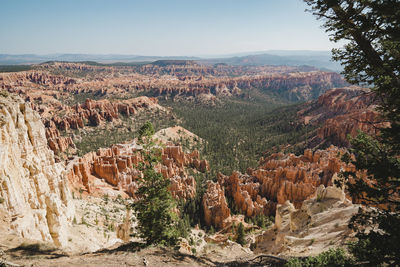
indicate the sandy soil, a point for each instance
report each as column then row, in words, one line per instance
column 177, row 134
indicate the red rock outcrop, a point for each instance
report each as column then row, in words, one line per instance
column 214, row 205
column 117, row 166
column 95, row 112
column 56, row 142
column 293, row 86
column 343, row 112
column 91, row 112
column 32, row 78
column 338, row 128
column 282, row 177
column 192, row 80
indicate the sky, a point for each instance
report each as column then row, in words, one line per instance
column 158, row 27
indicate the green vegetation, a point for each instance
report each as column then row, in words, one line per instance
column 155, row 208
column 330, row 258
column 81, row 98
column 126, row 130
column 98, row 68
column 193, row 208
column 239, row 131
column 14, row 68
column 166, row 62
column 261, row 220
column 371, row 56
column 240, row 238
column 146, row 130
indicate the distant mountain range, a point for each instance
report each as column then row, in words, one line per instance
column 318, row 59
column 109, row 58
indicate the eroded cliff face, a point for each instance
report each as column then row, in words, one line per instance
column 33, row 188
column 342, row 112
column 320, row 222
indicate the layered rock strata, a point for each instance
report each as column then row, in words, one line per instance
column 192, row 80
column 342, row 112
column 33, row 187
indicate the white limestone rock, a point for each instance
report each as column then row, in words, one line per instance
column 33, row 187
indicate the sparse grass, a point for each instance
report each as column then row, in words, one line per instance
column 111, row 227
column 106, row 198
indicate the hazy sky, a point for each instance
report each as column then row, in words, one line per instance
column 157, row 27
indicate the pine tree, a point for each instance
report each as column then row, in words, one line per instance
column 371, row 56
column 147, row 130
column 155, row 208
column 240, row 235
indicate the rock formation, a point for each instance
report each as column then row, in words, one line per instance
column 190, row 80
column 342, row 112
column 33, row 187
column 280, row 178
column 117, row 166
column 92, row 113
column 337, row 129
column 215, row 208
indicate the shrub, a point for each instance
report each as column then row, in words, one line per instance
column 330, row 258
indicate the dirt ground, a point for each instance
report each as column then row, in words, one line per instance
column 132, row 254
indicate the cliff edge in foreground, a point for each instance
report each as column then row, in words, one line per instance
column 34, row 194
